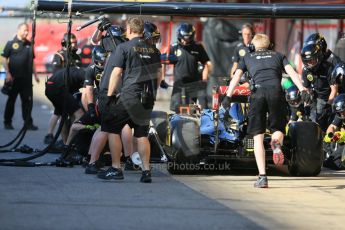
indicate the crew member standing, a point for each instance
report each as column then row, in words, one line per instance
column 17, row 59
column 265, row 67
column 190, row 70
column 242, row 49
column 140, row 63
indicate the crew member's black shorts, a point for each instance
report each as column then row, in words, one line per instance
column 271, row 101
column 136, row 116
column 60, row 98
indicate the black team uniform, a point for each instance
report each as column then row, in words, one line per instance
column 140, row 63
column 20, row 58
column 187, row 75
column 93, row 76
column 57, row 93
column 266, row 68
column 60, row 59
column 319, row 81
column 240, row 51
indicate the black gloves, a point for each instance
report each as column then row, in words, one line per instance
column 226, row 102
column 306, row 97
column 104, row 24
column 164, row 84
column 111, row 100
column 92, row 110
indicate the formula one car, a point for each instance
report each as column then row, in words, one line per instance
column 214, row 136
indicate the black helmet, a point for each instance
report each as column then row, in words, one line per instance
column 338, row 74
column 65, row 39
column 186, row 32
column 118, row 32
column 317, row 39
column 293, row 96
column 338, row 105
column 115, row 36
column 311, row 56
column 99, row 56
column 151, row 32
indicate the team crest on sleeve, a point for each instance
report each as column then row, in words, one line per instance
column 98, row 77
column 242, row 52
column 15, row 45
column 310, row 77
column 178, row 52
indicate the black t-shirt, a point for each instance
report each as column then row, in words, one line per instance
column 265, row 67
column 93, row 75
column 140, row 62
column 332, row 58
column 240, row 51
column 319, row 81
column 186, row 67
column 60, row 60
column 20, row 58
column 75, row 81
column 108, row 68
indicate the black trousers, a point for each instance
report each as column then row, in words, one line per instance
column 23, row 87
column 186, row 93
column 321, row 113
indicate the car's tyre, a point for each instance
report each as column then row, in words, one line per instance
column 185, row 145
column 307, row 152
column 160, row 123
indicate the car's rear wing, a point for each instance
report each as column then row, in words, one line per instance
column 241, row 93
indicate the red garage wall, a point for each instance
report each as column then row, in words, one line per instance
column 48, row 40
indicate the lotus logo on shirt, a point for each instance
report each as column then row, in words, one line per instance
column 98, row 77
column 310, row 77
column 15, row 45
column 242, row 52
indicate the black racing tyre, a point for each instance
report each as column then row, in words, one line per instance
column 185, row 146
column 307, row 152
column 160, row 123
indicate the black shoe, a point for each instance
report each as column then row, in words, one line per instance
column 60, row 162
column 146, row 176
column 32, row 127
column 91, row 168
column 48, row 139
column 8, row 126
column 130, row 166
column 261, row 182
column 76, row 158
column 111, row 173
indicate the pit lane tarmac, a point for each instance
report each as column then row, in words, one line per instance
column 66, row 198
